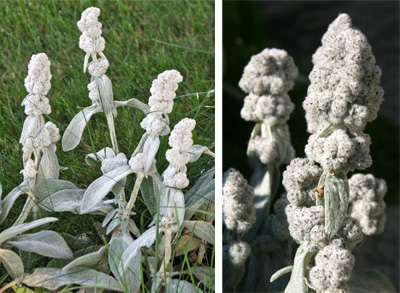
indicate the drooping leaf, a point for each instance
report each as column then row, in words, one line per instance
column 150, row 149
column 196, row 151
column 48, row 167
column 369, row 280
column 336, row 200
column 297, row 283
column 90, row 260
column 206, row 276
column 66, row 200
column 185, row 244
column 133, row 103
column 47, row 243
column 73, row 134
column 114, row 224
column 93, row 159
column 12, row 262
column 52, row 279
column 203, row 191
column 281, row 272
column 15, row 230
column 30, row 123
column 176, row 285
column 173, row 203
column 202, row 229
column 47, row 188
column 102, row 186
column 104, row 86
column 9, row 200
column 149, row 190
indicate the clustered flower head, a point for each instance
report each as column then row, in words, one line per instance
column 29, row 171
column 37, row 83
column 236, row 252
column 161, row 102
column 48, row 136
column 367, row 204
column 344, row 85
column 237, row 202
column 91, row 40
column 178, row 156
column 340, row 151
column 267, row 79
column 333, row 267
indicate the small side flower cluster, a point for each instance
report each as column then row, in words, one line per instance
column 238, row 215
column 267, row 79
column 161, row 102
column 180, row 140
column 37, row 83
column 48, row 135
column 367, row 205
column 333, row 267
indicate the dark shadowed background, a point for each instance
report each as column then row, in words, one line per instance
column 297, row 27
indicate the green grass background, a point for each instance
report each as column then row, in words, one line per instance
column 143, row 39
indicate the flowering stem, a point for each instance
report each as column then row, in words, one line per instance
column 113, row 136
column 134, row 194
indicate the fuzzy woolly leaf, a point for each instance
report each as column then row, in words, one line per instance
column 106, row 94
column 12, row 262
column 281, row 272
column 319, row 200
column 336, row 199
column 150, row 190
column 202, row 229
column 133, row 103
column 90, row 260
column 150, row 149
column 47, row 243
column 102, row 186
column 173, row 203
column 176, row 285
column 66, row 200
column 203, row 191
column 47, row 188
column 301, row 260
column 9, row 200
column 15, row 230
column 93, row 159
column 49, row 167
column 73, row 134
column 206, row 276
column 52, row 279
column 196, row 151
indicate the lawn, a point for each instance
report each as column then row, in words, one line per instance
column 143, row 39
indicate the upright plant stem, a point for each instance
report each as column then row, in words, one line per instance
column 134, row 194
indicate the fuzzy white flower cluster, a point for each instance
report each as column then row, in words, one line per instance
column 340, row 151
column 367, row 205
column 237, row 202
column 341, row 23
column 93, row 91
column 267, row 78
column 344, row 83
column 29, row 171
column 178, row 156
column 49, row 135
column 98, row 67
column 91, row 40
column 161, row 102
column 236, row 252
column 37, row 83
column 333, row 267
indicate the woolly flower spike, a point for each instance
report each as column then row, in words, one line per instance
column 50, row 134
column 368, row 207
column 339, row 151
column 341, row 23
column 38, row 80
column 136, row 163
column 270, row 72
column 91, row 40
column 333, row 268
column 161, row 102
column 350, row 233
column 29, row 171
column 99, row 67
column 237, row 252
column 237, row 202
column 180, row 140
column 93, row 91
column 300, row 179
column 36, row 105
column 344, row 83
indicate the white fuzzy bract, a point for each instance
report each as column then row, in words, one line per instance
column 161, row 102
column 344, row 85
column 38, row 80
column 367, row 205
column 237, row 202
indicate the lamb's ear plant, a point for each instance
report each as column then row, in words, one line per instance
column 326, row 213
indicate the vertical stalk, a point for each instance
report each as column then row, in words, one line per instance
column 113, row 135
column 134, row 194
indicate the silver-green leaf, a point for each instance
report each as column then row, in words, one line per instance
column 202, row 229
column 9, row 200
column 12, row 262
